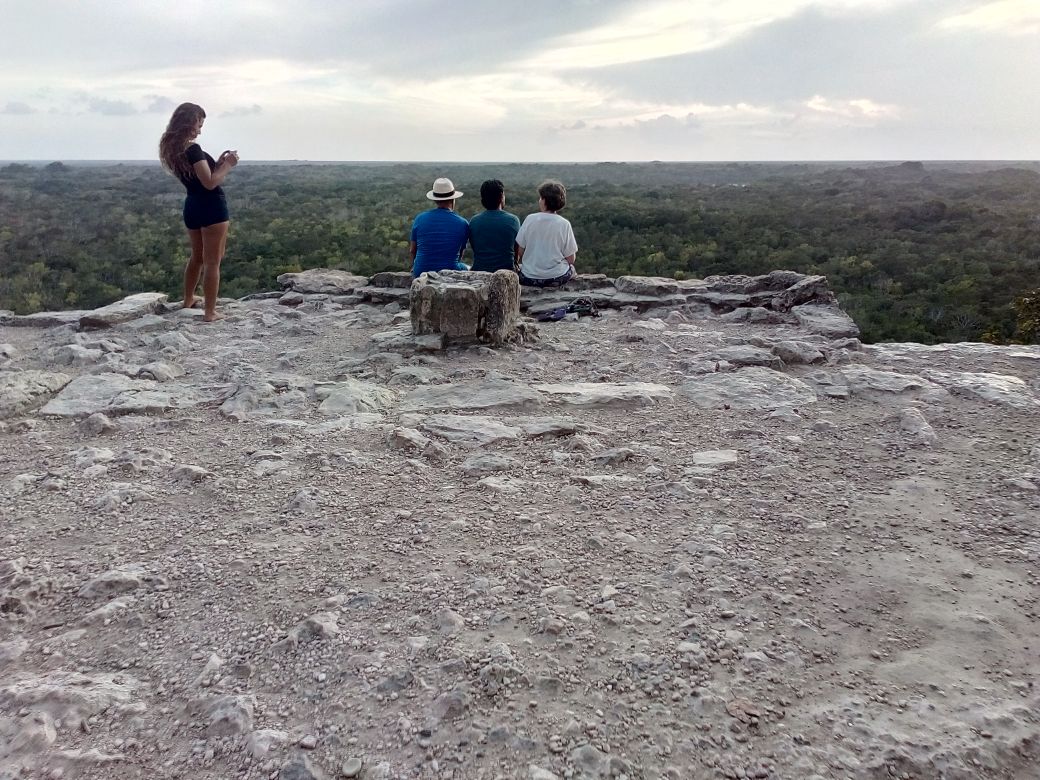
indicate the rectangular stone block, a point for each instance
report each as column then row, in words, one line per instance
column 466, row 306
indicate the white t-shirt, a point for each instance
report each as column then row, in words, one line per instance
column 546, row 239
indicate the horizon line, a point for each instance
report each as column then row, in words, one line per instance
column 897, row 160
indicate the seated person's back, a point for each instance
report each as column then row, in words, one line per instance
column 492, row 233
column 546, row 242
column 439, row 235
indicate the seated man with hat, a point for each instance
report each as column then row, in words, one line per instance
column 439, row 235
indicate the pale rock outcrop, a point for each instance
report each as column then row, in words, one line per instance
column 488, row 463
column 71, row 697
column 827, row 320
column 160, row 371
column 914, row 423
column 409, row 439
column 352, row 396
column 130, row 308
column 329, row 281
column 469, row 431
column 20, row 391
column 114, row 394
column 757, row 315
column 387, row 287
column 263, row 741
column 555, row 427
column 809, row 288
column 646, row 285
column 798, row 352
column 74, row 355
column 713, row 458
column 861, row 379
column 251, row 398
column 747, row 355
column 478, row 394
column 606, row 393
column 46, row 319
column 748, row 388
column 1000, row 389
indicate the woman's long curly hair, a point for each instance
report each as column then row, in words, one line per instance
column 175, row 139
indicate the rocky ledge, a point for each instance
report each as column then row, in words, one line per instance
column 705, row 534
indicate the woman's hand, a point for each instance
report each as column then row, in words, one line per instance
column 211, row 179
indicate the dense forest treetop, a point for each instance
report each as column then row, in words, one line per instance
column 918, row 252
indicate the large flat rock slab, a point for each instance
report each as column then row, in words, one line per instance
column 130, row 308
column 20, row 391
column 114, row 394
column 472, row 431
column 46, row 319
column 751, row 388
column 606, row 393
column 329, row 281
column 481, row 394
column 861, row 379
column 1000, row 389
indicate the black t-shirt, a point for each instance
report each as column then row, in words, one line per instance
column 194, row 153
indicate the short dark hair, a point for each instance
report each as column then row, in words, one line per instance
column 491, row 193
column 554, row 194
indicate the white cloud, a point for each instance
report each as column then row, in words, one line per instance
column 1012, row 17
column 858, row 108
column 606, row 79
column 665, row 28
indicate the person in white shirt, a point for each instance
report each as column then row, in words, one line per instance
column 546, row 241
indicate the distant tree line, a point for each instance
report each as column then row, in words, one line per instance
column 916, row 252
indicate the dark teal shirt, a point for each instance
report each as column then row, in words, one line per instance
column 492, row 235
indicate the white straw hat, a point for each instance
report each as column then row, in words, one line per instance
column 443, row 189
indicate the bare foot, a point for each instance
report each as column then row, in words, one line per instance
column 194, row 303
column 212, row 317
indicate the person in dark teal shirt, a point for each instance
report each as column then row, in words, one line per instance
column 439, row 235
column 492, row 233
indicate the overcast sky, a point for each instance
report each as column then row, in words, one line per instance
column 536, row 80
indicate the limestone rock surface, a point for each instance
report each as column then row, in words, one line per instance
column 130, row 308
column 22, row 390
column 112, row 394
column 466, row 306
column 328, row 281
column 479, row 394
column 606, row 393
column 748, row 388
column 517, row 562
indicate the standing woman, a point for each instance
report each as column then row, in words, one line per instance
column 205, row 208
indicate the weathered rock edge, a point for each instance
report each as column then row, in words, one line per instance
column 800, row 298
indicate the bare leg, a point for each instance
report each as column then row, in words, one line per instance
column 214, row 239
column 193, row 269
